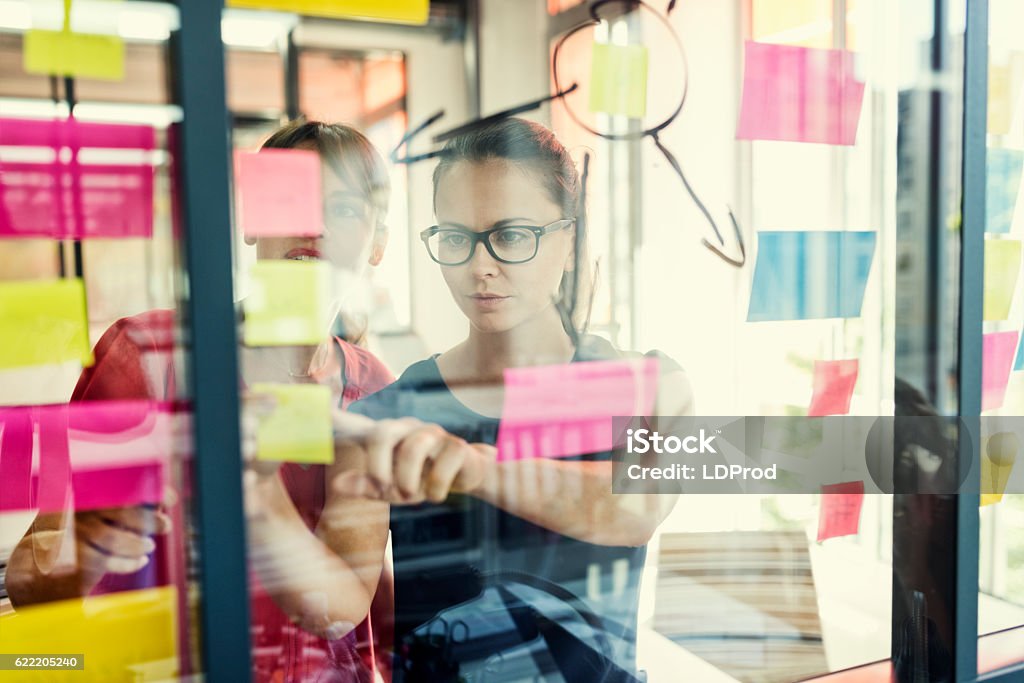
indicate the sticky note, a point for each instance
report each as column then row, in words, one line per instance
column 799, row 94
column 394, row 11
column 1018, row 364
column 86, row 455
column 618, row 79
column 81, row 55
column 1003, row 167
column 833, row 387
column 793, row 434
column 289, row 304
column 1000, row 451
column 1005, row 85
column 43, row 321
column 64, row 195
column 299, row 429
column 125, row 636
column 801, row 22
column 805, row 275
column 556, row 411
column 1002, row 266
column 997, row 351
column 840, row 509
column 278, row 193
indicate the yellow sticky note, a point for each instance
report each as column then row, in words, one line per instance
column 794, row 22
column 394, row 11
column 64, row 53
column 289, row 304
column 618, row 80
column 299, row 429
column 127, row 636
column 1002, row 265
column 1000, row 453
column 1005, row 86
column 43, row 322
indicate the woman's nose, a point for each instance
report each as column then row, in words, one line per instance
column 481, row 263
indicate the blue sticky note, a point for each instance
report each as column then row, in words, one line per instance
column 1004, row 168
column 809, row 275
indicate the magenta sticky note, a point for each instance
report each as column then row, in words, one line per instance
column 15, row 459
column 799, row 94
column 557, row 411
column 834, row 381
column 60, row 181
column 88, row 455
column 278, row 193
column 840, row 509
column 997, row 352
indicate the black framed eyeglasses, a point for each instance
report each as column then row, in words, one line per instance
column 452, row 246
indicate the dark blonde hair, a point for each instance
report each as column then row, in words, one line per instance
column 348, row 152
column 535, row 148
column 356, row 161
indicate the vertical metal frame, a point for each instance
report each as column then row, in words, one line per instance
column 201, row 163
column 972, row 277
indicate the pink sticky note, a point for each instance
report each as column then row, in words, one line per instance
column 88, row 455
column 833, row 387
column 558, row 411
column 799, row 94
column 70, row 192
column 997, row 352
column 278, row 193
column 840, row 509
column 15, row 458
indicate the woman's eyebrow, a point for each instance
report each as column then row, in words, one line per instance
column 346, row 194
column 520, row 220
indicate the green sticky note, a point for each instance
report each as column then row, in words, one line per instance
column 299, row 429
column 43, row 321
column 64, row 53
column 618, row 80
column 289, row 304
column 1002, row 265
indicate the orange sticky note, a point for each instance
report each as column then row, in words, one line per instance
column 834, row 381
column 840, row 510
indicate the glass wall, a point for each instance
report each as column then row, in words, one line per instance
column 452, row 241
column 97, row 489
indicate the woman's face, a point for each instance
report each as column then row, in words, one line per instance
column 350, row 237
column 496, row 296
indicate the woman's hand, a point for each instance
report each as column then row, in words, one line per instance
column 117, row 540
column 407, row 462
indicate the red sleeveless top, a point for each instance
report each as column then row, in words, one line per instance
column 134, row 360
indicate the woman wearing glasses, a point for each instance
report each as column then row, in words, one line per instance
column 511, row 542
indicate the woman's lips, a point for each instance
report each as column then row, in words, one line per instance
column 488, row 302
column 303, row 254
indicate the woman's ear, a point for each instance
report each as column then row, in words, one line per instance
column 380, row 241
column 570, row 260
